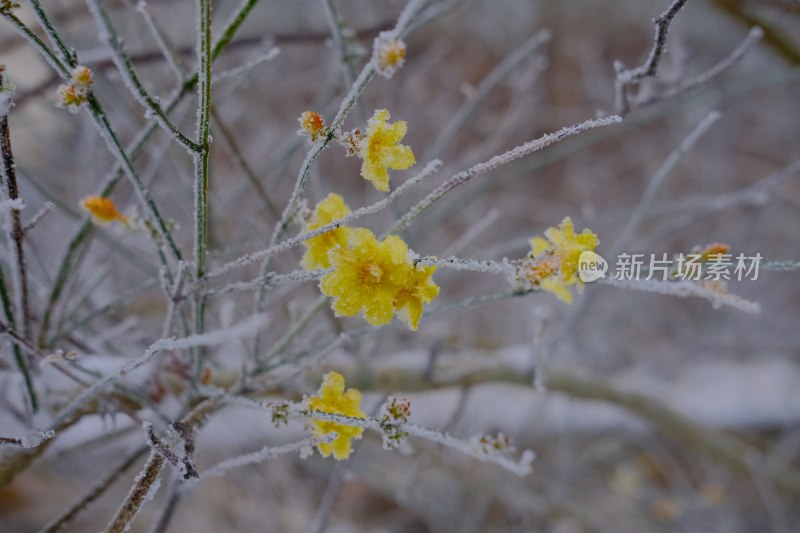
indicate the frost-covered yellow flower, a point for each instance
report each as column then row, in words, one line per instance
column 71, row 97
column 317, row 248
column 381, row 150
column 332, row 398
column 312, row 125
column 82, row 77
column 103, row 210
column 420, row 289
column 556, row 257
column 367, row 277
column 389, row 53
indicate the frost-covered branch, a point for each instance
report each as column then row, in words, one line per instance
column 242, row 329
column 143, row 490
column 287, row 244
column 264, row 454
column 494, row 162
column 685, row 288
column 154, row 110
column 629, row 77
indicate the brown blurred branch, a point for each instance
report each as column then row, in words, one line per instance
column 737, row 456
column 784, row 46
column 626, row 78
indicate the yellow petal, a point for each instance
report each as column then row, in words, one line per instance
column 539, row 245
column 399, row 157
column 553, row 285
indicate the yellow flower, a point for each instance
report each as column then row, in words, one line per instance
column 381, row 150
column 389, row 53
column 420, row 289
column 332, row 398
column 103, row 210
column 714, row 252
column 368, row 275
column 328, row 210
column 555, row 266
column 71, row 97
column 312, row 125
column 82, row 77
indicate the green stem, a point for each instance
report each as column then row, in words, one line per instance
column 19, row 357
column 201, row 164
column 125, row 68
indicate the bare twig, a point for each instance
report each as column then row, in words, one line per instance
column 626, row 78
column 95, row 492
column 143, row 489
column 40, row 215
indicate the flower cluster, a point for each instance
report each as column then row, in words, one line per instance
column 553, row 262
column 488, row 445
column 332, row 398
column 377, row 279
column 394, row 414
column 75, row 94
column 379, row 148
column 103, row 210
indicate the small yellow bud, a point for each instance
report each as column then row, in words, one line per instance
column 103, row 210
column 82, row 77
column 312, row 125
column 389, row 54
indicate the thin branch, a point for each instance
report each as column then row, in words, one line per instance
column 76, row 243
column 125, row 68
column 95, row 492
column 626, row 78
column 244, row 328
column 520, row 151
column 287, row 244
column 753, row 36
column 19, row 270
column 40, row 215
column 658, row 179
column 143, row 490
column 16, row 230
column 498, row 73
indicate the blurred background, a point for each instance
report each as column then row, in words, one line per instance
column 647, row 412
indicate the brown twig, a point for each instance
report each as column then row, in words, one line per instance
column 20, row 270
column 10, row 440
column 626, row 78
column 97, row 490
column 141, row 491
